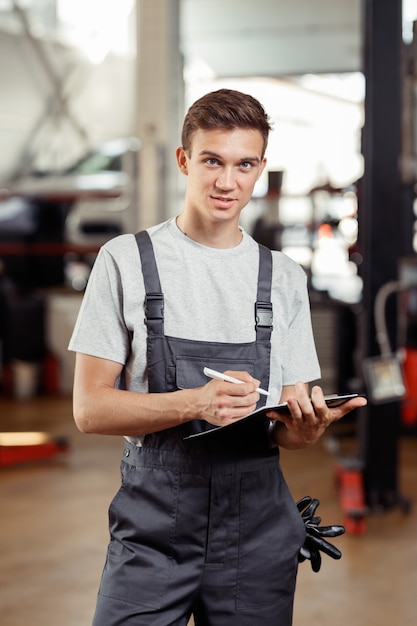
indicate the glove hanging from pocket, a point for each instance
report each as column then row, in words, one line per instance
column 315, row 543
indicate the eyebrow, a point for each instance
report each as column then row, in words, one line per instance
column 209, row 153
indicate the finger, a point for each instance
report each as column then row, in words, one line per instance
column 244, row 376
column 305, row 553
column 325, row 531
column 245, row 391
column 311, row 509
column 303, row 503
column 347, row 407
column 300, row 405
column 315, row 561
column 315, row 543
column 318, row 401
column 300, row 398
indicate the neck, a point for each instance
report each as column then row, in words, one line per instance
column 215, row 236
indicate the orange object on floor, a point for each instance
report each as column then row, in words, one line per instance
column 349, row 480
column 27, row 447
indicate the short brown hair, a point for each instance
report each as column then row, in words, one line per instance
column 225, row 109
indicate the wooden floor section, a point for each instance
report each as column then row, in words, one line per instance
column 54, row 532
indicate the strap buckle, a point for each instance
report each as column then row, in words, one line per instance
column 154, row 306
column 263, row 315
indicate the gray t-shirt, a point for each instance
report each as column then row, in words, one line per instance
column 209, row 295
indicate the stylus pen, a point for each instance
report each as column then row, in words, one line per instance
column 219, row 376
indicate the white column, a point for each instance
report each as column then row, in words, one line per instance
column 159, row 98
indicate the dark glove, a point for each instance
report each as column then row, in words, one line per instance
column 314, row 542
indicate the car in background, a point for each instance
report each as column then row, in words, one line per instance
column 99, row 191
column 45, row 215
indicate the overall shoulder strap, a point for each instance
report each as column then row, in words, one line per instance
column 154, row 299
column 263, row 304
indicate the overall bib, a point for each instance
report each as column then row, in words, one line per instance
column 203, row 526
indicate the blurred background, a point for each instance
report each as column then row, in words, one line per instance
column 92, row 98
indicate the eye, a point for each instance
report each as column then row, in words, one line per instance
column 246, row 165
column 212, row 161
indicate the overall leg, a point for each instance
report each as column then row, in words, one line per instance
column 251, row 558
column 155, row 559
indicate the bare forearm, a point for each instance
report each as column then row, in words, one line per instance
column 101, row 408
column 110, row 411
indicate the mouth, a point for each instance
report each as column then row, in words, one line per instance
column 223, row 202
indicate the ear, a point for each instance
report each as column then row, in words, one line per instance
column 182, row 160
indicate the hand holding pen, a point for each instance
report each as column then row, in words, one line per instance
column 223, row 403
column 230, row 379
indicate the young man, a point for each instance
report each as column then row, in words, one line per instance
column 201, row 526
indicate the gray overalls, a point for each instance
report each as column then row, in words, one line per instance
column 203, row 526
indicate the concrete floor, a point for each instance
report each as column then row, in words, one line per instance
column 54, row 532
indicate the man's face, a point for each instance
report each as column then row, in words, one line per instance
column 222, row 167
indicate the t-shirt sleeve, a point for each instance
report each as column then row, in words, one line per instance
column 100, row 329
column 300, row 361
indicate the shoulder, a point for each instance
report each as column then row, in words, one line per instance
column 289, row 281
column 286, row 265
column 119, row 245
column 122, row 252
column 117, row 260
column 128, row 242
column 124, row 248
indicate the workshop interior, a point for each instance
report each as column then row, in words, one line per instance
column 92, row 97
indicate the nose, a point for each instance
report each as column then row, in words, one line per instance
column 226, row 179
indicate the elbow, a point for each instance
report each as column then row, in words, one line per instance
column 83, row 419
